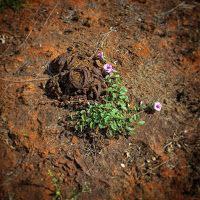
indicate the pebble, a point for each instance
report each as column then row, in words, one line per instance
column 153, row 158
column 74, row 140
column 122, row 165
column 127, row 154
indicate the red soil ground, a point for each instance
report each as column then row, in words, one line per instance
column 155, row 45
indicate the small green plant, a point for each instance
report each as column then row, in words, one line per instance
column 26, row 135
column 114, row 115
column 85, row 188
column 14, row 4
column 56, row 182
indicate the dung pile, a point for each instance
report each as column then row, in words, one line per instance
column 74, row 76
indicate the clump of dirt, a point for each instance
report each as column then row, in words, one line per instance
column 75, row 76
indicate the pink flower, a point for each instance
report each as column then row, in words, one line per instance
column 100, row 55
column 157, row 106
column 108, row 68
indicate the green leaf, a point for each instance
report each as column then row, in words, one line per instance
column 123, row 107
column 110, row 90
column 88, row 120
column 114, row 95
column 136, row 108
column 81, row 127
column 123, row 90
column 82, row 111
column 132, row 132
column 54, row 180
column 136, row 117
column 141, row 123
column 91, row 125
column 114, row 126
column 83, row 117
column 101, row 126
column 106, row 119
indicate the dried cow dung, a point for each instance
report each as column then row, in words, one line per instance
column 74, row 76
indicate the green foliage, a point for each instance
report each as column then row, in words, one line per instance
column 76, row 193
column 26, row 135
column 14, row 4
column 57, row 194
column 114, row 115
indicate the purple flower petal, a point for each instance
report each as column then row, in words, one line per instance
column 157, row 106
column 108, row 68
column 100, row 55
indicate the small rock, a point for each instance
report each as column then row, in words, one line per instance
column 67, row 31
column 62, row 161
column 3, row 39
column 122, row 165
column 127, row 154
column 52, row 151
column 74, row 140
column 154, row 158
column 86, row 22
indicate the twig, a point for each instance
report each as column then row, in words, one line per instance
column 156, row 167
column 173, row 9
column 42, row 27
column 30, row 30
column 101, row 42
column 51, row 13
column 167, row 145
column 182, row 4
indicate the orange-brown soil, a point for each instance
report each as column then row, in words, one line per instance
column 155, row 47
